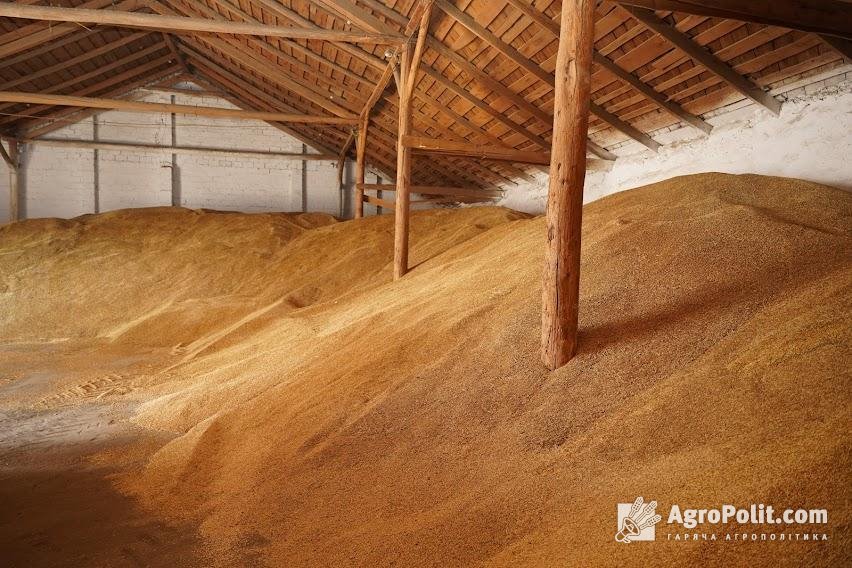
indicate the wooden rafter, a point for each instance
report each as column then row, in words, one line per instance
column 182, row 150
column 251, row 59
column 465, row 94
column 536, row 70
column 178, row 24
column 437, row 146
column 705, row 58
column 29, row 38
column 434, row 190
column 117, row 104
column 229, row 82
column 62, row 118
column 828, row 17
column 69, row 63
column 111, row 80
column 658, row 98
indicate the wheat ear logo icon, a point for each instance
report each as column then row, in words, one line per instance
column 639, row 518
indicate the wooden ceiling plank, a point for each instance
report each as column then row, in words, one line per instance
column 103, row 70
column 659, row 99
column 35, row 35
column 252, row 60
column 409, row 28
column 246, row 91
column 622, row 74
column 537, row 71
column 46, row 47
column 361, row 18
column 195, row 56
column 705, row 58
column 263, row 44
column 281, row 11
column 829, row 17
column 486, row 108
column 68, row 63
column 624, row 127
column 487, row 35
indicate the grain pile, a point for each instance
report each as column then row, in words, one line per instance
column 324, row 415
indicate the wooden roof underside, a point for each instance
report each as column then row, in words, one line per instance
column 486, row 75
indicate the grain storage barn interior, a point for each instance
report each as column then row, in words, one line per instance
column 425, row 282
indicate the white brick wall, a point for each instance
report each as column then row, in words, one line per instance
column 60, row 182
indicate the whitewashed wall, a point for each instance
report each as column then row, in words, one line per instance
column 60, row 182
column 811, row 140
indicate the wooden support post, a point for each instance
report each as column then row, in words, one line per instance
column 96, row 167
column 175, row 181
column 304, row 179
column 360, row 167
column 561, row 277
column 341, row 169
column 406, row 80
column 14, row 164
column 403, row 171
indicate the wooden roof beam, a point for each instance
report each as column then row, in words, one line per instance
column 251, row 59
column 409, row 28
column 439, row 146
column 55, row 121
column 116, row 104
column 828, row 17
column 481, row 76
column 659, row 99
column 112, row 79
column 705, row 58
column 467, row 21
column 179, row 24
column 393, row 62
column 646, row 90
column 7, row 158
column 547, row 77
column 279, row 10
column 46, row 47
column 62, row 65
column 436, row 190
column 242, row 90
column 264, row 44
column 27, row 38
column 172, row 44
column 182, row 150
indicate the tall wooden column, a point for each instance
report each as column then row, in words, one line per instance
column 403, row 170
column 406, row 80
column 360, row 167
column 561, row 278
column 14, row 177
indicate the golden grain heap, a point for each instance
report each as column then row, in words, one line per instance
column 275, row 395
